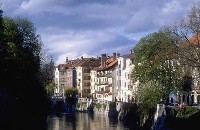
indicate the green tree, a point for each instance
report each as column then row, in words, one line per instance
column 70, row 94
column 21, row 56
column 157, row 71
column 47, row 72
column 1, row 24
column 149, row 94
column 20, row 52
column 50, row 88
column 187, row 37
column 155, row 62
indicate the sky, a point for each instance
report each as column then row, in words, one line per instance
column 89, row 28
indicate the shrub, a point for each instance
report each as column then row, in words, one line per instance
column 98, row 106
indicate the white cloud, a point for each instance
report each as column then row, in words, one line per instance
column 90, row 27
column 84, row 43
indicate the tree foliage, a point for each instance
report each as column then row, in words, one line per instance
column 187, row 37
column 21, row 57
column 71, row 92
column 71, row 95
column 149, row 94
column 155, row 62
column 50, row 88
column 20, row 60
column 47, row 72
column 167, row 59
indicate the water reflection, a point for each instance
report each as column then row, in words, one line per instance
column 84, row 121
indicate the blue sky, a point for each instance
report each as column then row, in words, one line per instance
column 75, row 28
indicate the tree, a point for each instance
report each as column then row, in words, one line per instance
column 47, row 72
column 70, row 94
column 187, row 37
column 186, row 34
column 154, row 61
column 1, row 24
column 149, row 94
column 20, row 68
column 23, row 53
column 187, row 83
column 50, row 88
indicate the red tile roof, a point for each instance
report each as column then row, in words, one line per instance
column 110, row 62
column 90, row 62
column 194, row 40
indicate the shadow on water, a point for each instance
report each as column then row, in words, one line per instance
column 85, row 121
column 71, row 120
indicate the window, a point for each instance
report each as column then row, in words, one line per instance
column 119, row 82
column 88, row 84
column 119, row 72
column 62, row 72
column 86, row 71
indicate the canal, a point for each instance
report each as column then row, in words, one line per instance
column 85, row 121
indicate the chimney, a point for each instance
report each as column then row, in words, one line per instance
column 118, row 54
column 131, row 51
column 114, row 56
column 81, row 57
column 66, row 59
column 103, row 60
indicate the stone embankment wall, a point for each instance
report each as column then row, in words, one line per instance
column 97, row 108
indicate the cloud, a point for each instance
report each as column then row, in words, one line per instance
column 135, row 15
column 85, row 43
column 73, row 28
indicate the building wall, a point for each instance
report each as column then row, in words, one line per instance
column 93, row 80
column 83, row 81
column 124, row 86
column 57, row 83
column 60, row 81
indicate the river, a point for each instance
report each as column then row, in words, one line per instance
column 84, row 121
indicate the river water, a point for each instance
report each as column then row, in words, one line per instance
column 84, row 121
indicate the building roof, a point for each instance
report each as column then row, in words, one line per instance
column 129, row 56
column 194, row 40
column 83, row 62
column 110, row 62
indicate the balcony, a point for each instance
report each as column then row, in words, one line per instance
column 102, row 83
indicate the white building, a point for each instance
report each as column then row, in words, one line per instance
column 102, row 79
column 60, row 80
column 125, row 86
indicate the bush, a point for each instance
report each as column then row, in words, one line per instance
column 186, row 112
column 112, row 105
column 98, row 106
column 78, row 105
column 182, row 118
